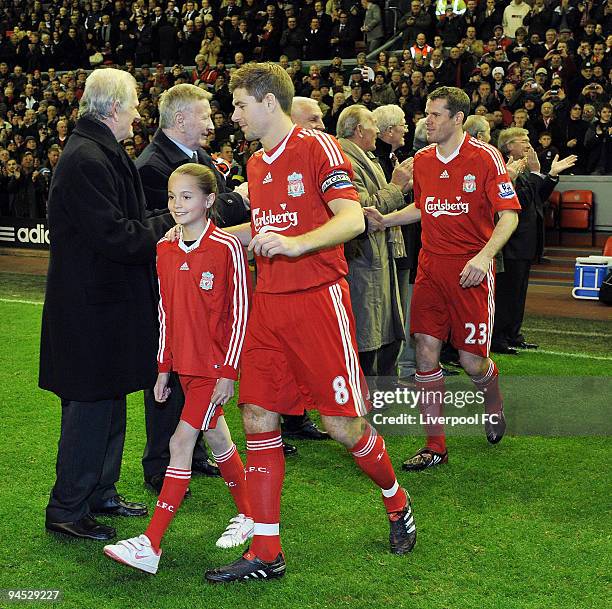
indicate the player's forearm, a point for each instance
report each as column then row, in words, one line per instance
column 408, row 215
column 242, row 231
column 504, row 228
column 345, row 225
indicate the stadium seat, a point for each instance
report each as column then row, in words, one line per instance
column 551, row 211
column 577, row 212
column 607, row 250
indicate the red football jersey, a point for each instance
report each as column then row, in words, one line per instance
column 204, row 304
column 289, row 188
column 459, row 195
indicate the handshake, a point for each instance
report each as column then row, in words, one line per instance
column 376, row 221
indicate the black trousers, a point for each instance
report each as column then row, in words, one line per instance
column 382, row 361
column 510, row 296
column 160, row 422
column 88, row 457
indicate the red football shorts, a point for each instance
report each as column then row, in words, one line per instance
column 300, row 352
column 198, row 411
column 441, row 307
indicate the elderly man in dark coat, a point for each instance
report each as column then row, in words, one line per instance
column 184, row 124
column 511, row 286
column 372, row 274
column 99, row 325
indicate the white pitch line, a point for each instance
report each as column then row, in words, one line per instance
column 579, row 355
column 14, row 300
column 568, row 332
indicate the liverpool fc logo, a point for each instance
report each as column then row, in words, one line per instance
column 206, row 283
column 295, row 186
column 469, row 183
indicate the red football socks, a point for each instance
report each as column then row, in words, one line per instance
column 431, row 406
column 372, row 458
column 232, row 470
column 265, row 471
column 488, row 383
column 170, row 498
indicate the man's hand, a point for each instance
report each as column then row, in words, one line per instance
column 474, row 271
column 272, row 244
column 223, row 393
column 174, row 233
column 515, row 168
column 161, row 391
column 532, row 160
column 403, row 173
column 572, row 143
column 558, row 166
column 375, row 219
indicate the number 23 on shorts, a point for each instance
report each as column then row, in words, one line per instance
column 476, row 335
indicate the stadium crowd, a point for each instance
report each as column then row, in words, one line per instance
column 544, row 67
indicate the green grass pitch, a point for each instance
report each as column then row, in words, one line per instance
column 525, row 524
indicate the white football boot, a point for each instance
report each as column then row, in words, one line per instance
column 136, row 552
column 239, row 530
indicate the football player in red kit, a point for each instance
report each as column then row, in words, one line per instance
column 204, row 302
column 300, row 348
column 460, row 183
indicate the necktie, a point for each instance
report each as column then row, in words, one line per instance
column 194, row 158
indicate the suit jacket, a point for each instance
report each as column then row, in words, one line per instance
column 315, row 44
column 99, row 322
column 373, row 21
column 532, row 190
column 345, row 47
column 161, row 157
column 111, row 35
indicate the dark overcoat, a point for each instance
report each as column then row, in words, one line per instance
column 161, row 157
column 532, row 189
column 99, row 325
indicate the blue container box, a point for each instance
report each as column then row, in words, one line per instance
column 589, row 275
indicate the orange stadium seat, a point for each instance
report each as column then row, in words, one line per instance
column 607, row 250
column 577, row 212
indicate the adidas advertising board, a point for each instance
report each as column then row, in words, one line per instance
column 24, row 233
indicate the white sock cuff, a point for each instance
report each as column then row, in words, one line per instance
column 271, row 443
column 267, row 530
column 179, row 474
column 391, row 491
column 225, row 456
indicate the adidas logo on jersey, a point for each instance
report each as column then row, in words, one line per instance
column 267, row 179
column 444, row 175
column 184, row 267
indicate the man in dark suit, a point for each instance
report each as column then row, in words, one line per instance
column 342, row 37
column 99, row 324
column 532, row 188
column 315, row 41
column 106, row 33
column 184, row 123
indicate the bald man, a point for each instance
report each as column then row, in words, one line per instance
column 305, row 112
